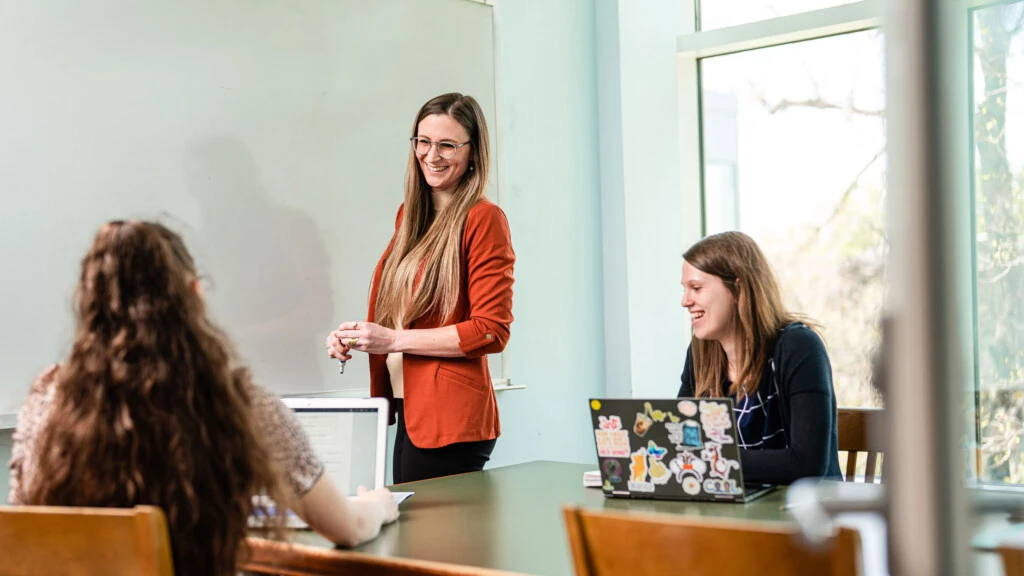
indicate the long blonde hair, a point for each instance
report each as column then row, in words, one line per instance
column 736, row 259
column 429, row 245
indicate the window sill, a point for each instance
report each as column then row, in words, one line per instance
column 8, row 421
column 501, row 384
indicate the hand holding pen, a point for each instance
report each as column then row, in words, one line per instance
column 340, row 349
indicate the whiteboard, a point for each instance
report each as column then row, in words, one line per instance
column 272, row 133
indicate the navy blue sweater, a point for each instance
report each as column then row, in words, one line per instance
column 805, row 406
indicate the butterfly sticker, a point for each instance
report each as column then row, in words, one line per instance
column 655, row 451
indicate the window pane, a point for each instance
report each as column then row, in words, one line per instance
column 998, row 181
column 724, row 13
column 794, row 155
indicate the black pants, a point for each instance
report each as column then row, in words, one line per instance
column 412, row 463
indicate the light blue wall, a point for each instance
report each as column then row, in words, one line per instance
column 5, row 456
column 551, row 194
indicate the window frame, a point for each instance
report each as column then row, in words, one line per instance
column 693, row 45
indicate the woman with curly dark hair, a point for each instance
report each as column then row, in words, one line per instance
column 152, row 407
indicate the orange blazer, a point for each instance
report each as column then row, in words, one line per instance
column 450, row 400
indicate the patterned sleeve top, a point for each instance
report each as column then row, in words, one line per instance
column 286, row 441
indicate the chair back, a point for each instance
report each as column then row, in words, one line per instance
column 1013, row 558
column 616, row 543
column 296, row 559
column 862, row 430
column 50, row 540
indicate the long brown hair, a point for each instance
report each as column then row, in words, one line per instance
column 429, row 245
column 737, row 260
column 150, row 407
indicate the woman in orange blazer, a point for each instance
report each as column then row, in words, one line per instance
column 440, row 300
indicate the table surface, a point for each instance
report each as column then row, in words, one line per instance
column 510, row 518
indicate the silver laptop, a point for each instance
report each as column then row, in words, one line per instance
column 349, row 435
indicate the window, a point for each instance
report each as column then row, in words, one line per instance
column 997, row 106
column 792, row 145
column 724, row 13
column 794, row 155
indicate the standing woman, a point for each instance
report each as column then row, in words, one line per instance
column 748, row 347
column 440, row 300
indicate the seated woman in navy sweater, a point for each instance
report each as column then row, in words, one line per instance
column 748, row 347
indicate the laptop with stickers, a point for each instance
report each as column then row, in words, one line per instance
column 675, row 449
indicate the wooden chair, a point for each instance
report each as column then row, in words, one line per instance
column 862, row 430
column 44, row 540
column 616, row 543
column 1013, row 558
column 275, row 557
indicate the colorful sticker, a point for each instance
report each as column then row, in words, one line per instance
column 687, row 465
column 642, row 425
column 656, row 451
column 716, row 420
column 720, row 466
column 713, row 486
column 691, row 434
column 613, row 470
column 659, row 472
column 638, row 466
column 612, row 443
column 688, row 408
column 608, row 486
column 659, row 415
column 609, row 422
column 612, row 440
column 595, row 405
column 656, row 468
column 691, row 485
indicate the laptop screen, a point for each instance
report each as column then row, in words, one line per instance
column 345, row 440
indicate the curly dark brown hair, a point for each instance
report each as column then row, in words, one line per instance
column 151, row 406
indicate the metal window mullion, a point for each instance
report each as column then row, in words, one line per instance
column 843, row 19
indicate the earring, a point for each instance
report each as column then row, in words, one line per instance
column 470, row 167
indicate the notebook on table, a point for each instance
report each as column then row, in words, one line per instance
column 675, row 449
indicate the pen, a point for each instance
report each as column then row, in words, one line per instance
column 341, row 366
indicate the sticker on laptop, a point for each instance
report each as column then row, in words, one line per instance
column 687, row 466
column 688, row 408
column 719, row 465
column 716, row 420
column 655, row 466
column 643, row 424
column 714, row 486
column 613, row 470
column 638, row 472
column 612, row 440
column 685, row 435
column 691, row 486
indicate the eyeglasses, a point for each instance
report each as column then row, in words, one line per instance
column 446, row 150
